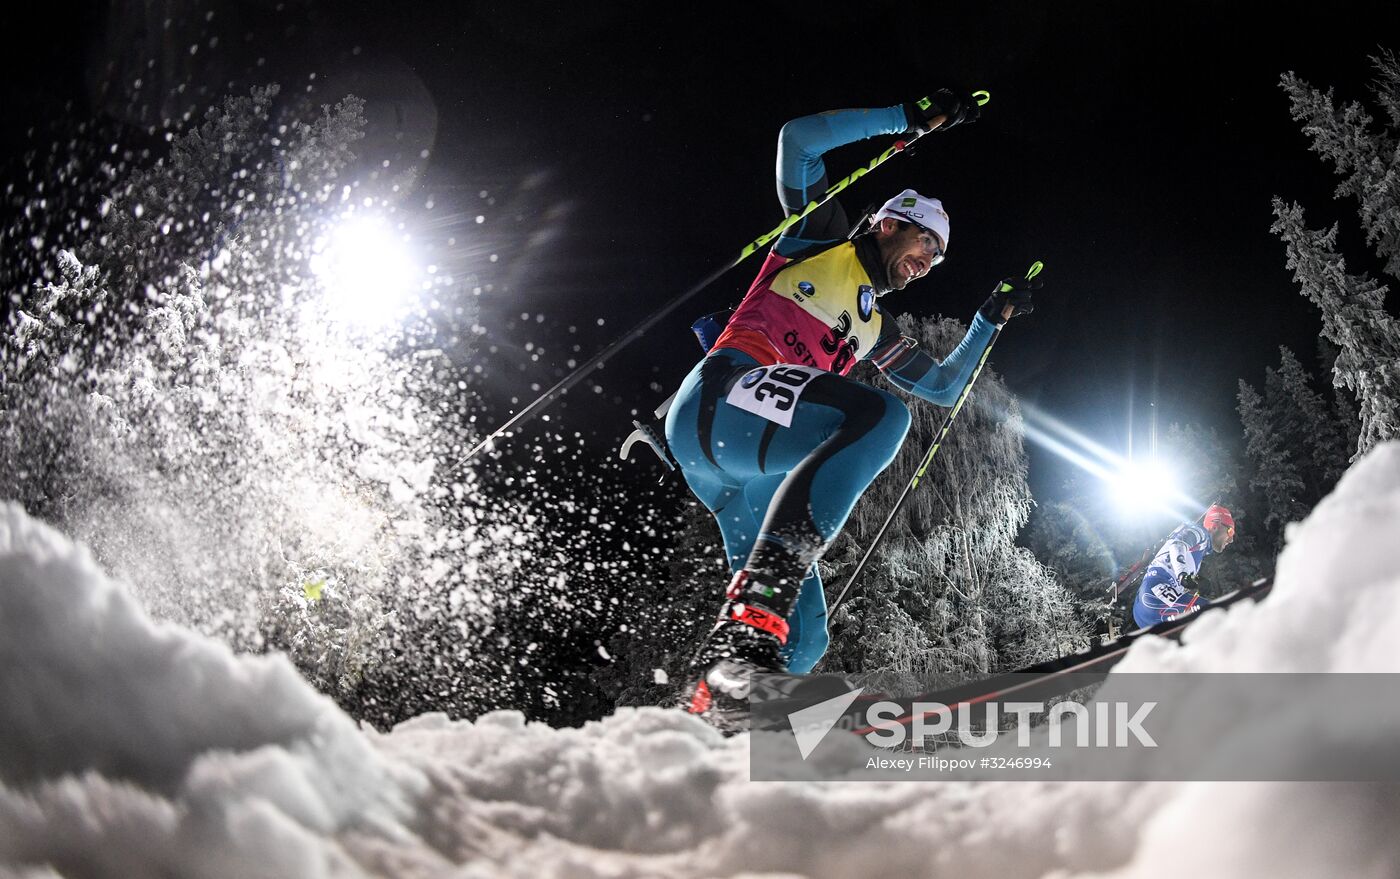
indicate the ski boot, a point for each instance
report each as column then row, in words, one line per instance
column 745, row 643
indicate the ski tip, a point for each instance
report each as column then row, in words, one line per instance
column 981, row 96
column 1034, row 269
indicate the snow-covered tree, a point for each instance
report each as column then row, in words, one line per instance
column 1365, row 158
column 1341, row 404
column 1354, row 318
column 1295, row 450
column 1204, row 462
column 1068, row 538
column 1317, row 430
column 1276, row 472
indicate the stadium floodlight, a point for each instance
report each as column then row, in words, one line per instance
column 1143, row 486
column 367, row 269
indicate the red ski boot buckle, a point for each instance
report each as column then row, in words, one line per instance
column 763, row 620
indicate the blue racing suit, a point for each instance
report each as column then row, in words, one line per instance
column 769, row 433
column 1163, row 595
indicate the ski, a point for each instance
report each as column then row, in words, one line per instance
column 1050, row 677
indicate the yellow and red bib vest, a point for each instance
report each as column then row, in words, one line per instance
column 820, row 312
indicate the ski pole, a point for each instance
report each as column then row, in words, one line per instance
column 928, row 458
column 573, row 378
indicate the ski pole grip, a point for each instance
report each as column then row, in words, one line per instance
column 981, row 96
column 1035, row 268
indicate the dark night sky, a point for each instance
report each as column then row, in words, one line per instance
column 1133, row 147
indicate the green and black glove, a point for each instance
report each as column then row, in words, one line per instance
column 958, row 106
column 1015, row 292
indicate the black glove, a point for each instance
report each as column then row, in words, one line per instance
column 1009, row 291
column 958, row 107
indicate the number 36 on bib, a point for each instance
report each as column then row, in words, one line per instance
column 772, row 391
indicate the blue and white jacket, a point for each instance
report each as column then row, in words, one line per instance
column 1163, row 593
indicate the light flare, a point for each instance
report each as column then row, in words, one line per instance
column 1138, row 488
column 368, row 270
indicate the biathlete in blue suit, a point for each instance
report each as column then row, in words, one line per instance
column 770, row 434
column 1163, row 594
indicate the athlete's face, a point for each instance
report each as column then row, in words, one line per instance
column 908, row 251
column 1222, row 536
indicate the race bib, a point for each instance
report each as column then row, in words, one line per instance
column 772, row 391
column 1167, row 592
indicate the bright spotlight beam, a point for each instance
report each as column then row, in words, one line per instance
column 1142, row 483
column 367, row 270
column 1136, row 487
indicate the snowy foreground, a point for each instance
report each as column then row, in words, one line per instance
column 133, row 749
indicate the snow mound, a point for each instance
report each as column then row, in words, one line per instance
column 137, row 749
column 129, row 748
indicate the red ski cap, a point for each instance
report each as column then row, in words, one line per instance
column 1218, row 515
